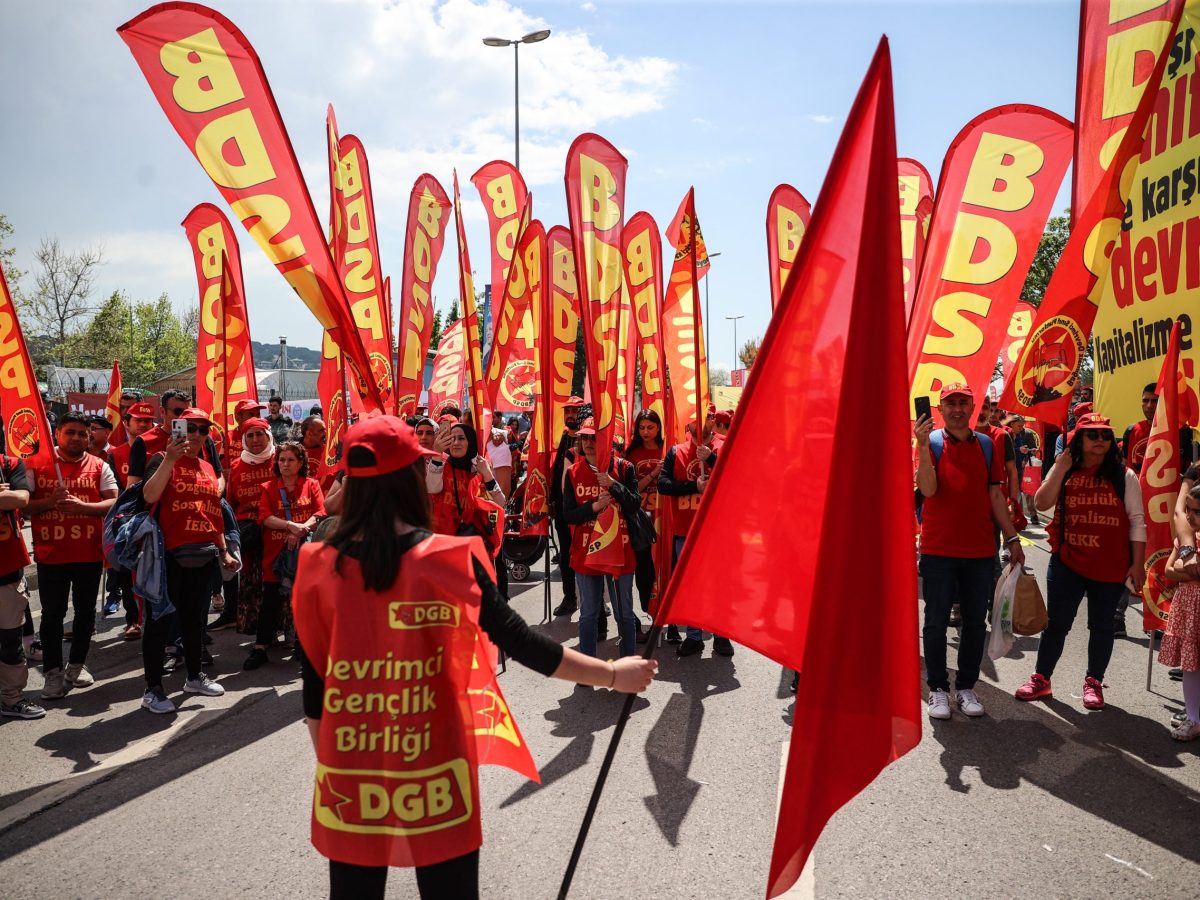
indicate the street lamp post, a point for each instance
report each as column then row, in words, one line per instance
column 707, row 349
column 532, row 38
column 734, row 320
column 282, row 364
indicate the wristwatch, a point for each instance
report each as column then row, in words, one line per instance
column 1187, row 552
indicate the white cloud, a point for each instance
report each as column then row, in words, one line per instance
column 819, row 119
column 700, row 120
column 588, row 7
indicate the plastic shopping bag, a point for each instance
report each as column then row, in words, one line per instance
column 1001, row 639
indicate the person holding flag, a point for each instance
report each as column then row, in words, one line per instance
column 14, row 593
column 1181, row 643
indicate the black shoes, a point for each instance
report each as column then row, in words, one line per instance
column 722, row 646
column 673, row 636
column 257, row 657
column 689, row 647
column 566, row 608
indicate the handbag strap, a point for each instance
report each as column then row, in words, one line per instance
column 287, row 507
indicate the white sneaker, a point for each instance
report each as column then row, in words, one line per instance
column 939, row 705
column 156, row 701
column 55, row 687
column 968, row 703
column 203, row 685
column 77, row 675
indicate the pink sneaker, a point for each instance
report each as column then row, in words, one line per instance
column 1037, row 687
column 1093, row 693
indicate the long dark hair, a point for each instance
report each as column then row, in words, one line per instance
column 371, row 507
column 646, row 415
column 1112, row 468
column 298, row 449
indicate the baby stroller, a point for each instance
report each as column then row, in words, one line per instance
column 520, row 551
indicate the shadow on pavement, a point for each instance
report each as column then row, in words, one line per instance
column 1084, row 762
column 670, row 747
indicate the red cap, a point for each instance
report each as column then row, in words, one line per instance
column 255, row 423
column 1091, row 420
column 142, row 411
column 574, row 401
column 194, row 415
column 588, row 427
column 1082, row 409
column 723, row 417
column 391, row 441
column 247, row 405
column 956, row 388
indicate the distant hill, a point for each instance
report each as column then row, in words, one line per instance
column 266, row 356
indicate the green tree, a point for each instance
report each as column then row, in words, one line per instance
column 1050, row 248
column 63, row 289
column 452, row 316
column 8, row 257
column 155, row 342
column 749, row 352
column 435, row 333
column 718, row 376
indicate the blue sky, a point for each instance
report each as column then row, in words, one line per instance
column 731, row 97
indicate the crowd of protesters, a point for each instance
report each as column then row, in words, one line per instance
column 972, row 496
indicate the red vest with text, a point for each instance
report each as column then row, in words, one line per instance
column 587, row 488
column 189, row 510
column 1096, row 528
column 644, row 459
column 687, row 468
column 1139, row 438
column 464, row 500
column 120, row 463
column 409, row 712
column 243, row 489
column 60, row 537
column 306, row 501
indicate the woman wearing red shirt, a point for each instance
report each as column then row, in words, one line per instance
column 285, row 526
column 253, row 467
column 188, row 495
column 646, row 452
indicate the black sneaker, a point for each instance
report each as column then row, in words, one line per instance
column 22, row 709
column 673, row 635
column 566, row 608
column 689, row 647
column 206, row 658
column 223, row 622
column 1175, row 674
column 1119, row 627
column 258, row 657
column 722, row 646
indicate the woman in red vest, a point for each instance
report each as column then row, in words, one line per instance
column 392, row 620
column 253, row 467
column 188, row 495
column 1097, row 546
column 289, row 508
column 646, row 452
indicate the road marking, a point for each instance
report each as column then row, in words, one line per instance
column 805, row 887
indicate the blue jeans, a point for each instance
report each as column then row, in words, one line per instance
column 1064, row 592
column 694, row 634
column 591, row 596
column 946, row 580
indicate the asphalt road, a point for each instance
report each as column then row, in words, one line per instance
column 102, row 799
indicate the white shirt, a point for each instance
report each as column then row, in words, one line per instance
column 499, row 456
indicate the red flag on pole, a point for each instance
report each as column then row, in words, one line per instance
column 112, row 409
column 835, row 346
column 26, row 428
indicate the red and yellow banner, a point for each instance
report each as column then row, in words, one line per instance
column 627, row 357
column 788, row 215
column 224, row 357
column 916, row 212
column 481, row 414
column 535, row 259
column 1160, row 479
column 331, row 389
column 1095, row 268
column 563, row 331
column 26, row 428
column 355, row 249
column 505, row 200
column 683, row 325
column 212, row 87
column 428, row 215
column 997, row 188
column 510, row 370
column 112, row 408
column 449, row 371
column 642, row 254
column 595, row 181
column 1019, row 327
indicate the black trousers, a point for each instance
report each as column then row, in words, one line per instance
column 190, row 591
column 61, row 585
column 269, row 613
column 562, row 533
column 124, row 580
column 644, row 576
column 454, row 879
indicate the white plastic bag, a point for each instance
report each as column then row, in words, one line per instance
column 1001, row 639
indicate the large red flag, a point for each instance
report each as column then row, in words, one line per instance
column 112, row 409
column 1160, row 486
column 1043, row 381
column 642, row 253
column 26, row 428
column 212, row 87
column 428, row 214
column 683, row 322
column 505, row 200
column 331, row 389
column 788, row 215
column 835, row 346
column 916, row 211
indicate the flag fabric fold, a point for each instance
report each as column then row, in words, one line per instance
column 1160, row 477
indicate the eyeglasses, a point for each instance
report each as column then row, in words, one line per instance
column 197, row 429
column 177, row 412
column 1097, row 434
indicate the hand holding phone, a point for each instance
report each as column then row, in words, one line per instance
column 179, row 429
column 922, row 406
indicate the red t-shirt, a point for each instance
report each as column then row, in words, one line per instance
column 243, row 489
column 957, row 520
column 189, row 511
column 60, row 537
column 1139, row 437
column 688, row 467
column 1097, row 528
column 119, row 457
column 644, row 460
column 306, row 501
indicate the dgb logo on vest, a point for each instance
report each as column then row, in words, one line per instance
column 1049, row 365
column 406, row 616
column 368, row 801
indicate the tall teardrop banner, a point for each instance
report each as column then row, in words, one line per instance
column 563, row 331
column 788, row 215
column 642, row 253
column 505, row 198
column 472, row 328
column 916, row 213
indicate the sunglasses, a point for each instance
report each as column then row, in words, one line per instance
column 1097, row 434
column 197, row 429
column 177, row 412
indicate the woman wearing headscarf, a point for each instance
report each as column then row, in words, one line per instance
column 254, row 467
column 392, row 619
column 646, row 452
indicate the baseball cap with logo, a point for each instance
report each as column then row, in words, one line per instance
column 588, row 427
column 142, row 411
column 248, row 405
column 956, row 389
column 390, row 445
column 1089, row 422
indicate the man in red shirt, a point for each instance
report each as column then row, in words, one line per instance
column 155, row 440
column 121, row 433
column 959, row 474
column 67, row 511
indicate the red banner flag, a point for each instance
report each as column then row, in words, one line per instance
column 1019, row 327
column 533, row 255
column 564, row 329
column 505, row 200
column 26, row 428
column 212, row 87
column 331, row 389
column 355, row 249
column 1043, row 381
column 997, row 188
column 788, row 215
column 642, row 253
column 843, row 304
column 916, row 211
column 627, row 356
column 449, row 371
column 683, row 325
column 428, row 215
column 481, row 414
column 112, row 409
column 224, row 356
column 1160, row 479
column 510, row 370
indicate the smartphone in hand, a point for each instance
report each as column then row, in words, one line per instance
column 179, row 429
column 921, row 404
